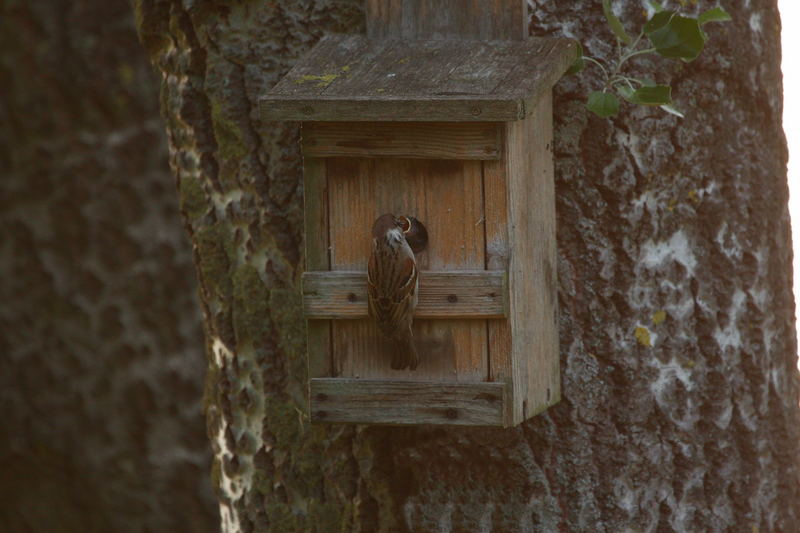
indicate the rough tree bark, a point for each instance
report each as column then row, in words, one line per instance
column 101, row 361
column 680, row 393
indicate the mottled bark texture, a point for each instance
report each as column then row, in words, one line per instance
column 680, row 393
column 101, row 358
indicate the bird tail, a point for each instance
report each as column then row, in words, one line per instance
column 405, row 354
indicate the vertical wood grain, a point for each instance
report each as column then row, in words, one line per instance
column 495, row 190
column 501, row 20
column 447, row 197
column 532, row 264
column 315, row 198
column 384, row 18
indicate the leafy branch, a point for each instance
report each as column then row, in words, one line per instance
column 668, row 34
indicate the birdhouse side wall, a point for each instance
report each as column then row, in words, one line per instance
column 532, row 264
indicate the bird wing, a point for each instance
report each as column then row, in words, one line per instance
column 389, row 300
column 401, row 312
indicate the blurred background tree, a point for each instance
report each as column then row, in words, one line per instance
column 101, row 349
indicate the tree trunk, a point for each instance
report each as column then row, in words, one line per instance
column 680, row 397
column 101, row 366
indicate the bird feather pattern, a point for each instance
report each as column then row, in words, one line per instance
column 392, row 287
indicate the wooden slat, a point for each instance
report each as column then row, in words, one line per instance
column 315, row 198
column 495, row 191
column 532, row 266
column 446, row 195
column 379, row 107
column 348, row 78
column 384, row 19
column 343, row 295
column 447, row 19
column 418, row 140
column 408, row 402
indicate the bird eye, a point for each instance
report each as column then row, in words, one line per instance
column 404, row 223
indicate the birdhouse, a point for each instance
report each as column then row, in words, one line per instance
column 459, row 136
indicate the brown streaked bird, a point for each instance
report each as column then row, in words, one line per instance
column 392, row 286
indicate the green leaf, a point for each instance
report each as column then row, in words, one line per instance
column 716, row 14
column 672, row 110
column 603, row 104
column 579, row 64
column 624, row 91
column 675, row 36
column 659, row 20
column 658, row 95
column 648, row 94
column 656, row 5
column 615, row 24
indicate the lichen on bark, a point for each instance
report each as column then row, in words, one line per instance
column 693, row 430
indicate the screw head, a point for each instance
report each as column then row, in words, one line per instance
column 475, row 110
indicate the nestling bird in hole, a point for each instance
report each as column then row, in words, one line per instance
column 393, row 282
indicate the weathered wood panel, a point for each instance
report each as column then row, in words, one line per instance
column 447, row 197
column 486, row 20
column 407, row 402
column 343, row 295
column 532, row 265
column 315, row 198
column 418, row 140
column 348, row 78
column 495, row 192
column 378, row 107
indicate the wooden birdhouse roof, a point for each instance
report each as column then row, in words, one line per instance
column 351, row 78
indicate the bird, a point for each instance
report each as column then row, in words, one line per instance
column 393, row 286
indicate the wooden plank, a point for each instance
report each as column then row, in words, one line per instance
column 486, row 20
column 353, row 79
column 495, row 193
column 343, row 295
column 446, row 195
column 407, row 402
column 327, row 64
column 384, row 19
column 419, row 140
column 315, row 199
column 481, row 72
column 532, row 265
column 383, row 108
column 401, row 70
column 545, row 62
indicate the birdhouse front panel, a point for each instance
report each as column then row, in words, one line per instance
column 447, row 197
column 485, row 277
